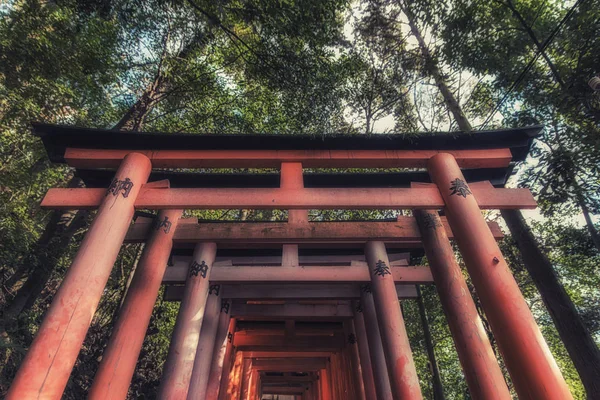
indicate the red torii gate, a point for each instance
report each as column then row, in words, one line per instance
column 228, row 342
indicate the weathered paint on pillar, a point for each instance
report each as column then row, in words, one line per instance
column 363, row 351
column 378, row 364
column 219, row 351
column 184, row 341
column 398, row 355
column 120, row 356
column 483, row 375
column 46, row 368
column 531, row 366
column 245, row 378
column 206, row 344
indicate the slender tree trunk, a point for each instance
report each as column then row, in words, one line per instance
column 539, row 46
column 435, row 72
column 577, row 340
column 438, row 389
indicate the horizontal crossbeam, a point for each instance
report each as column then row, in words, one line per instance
column 266, row 198
column 405, row 229
column 286, row 311
column 292, row 365
column 178, row 273
column 285, row 343
column 290, row 291
column 104, row 158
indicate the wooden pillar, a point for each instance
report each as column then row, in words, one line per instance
column 355, row 360
column 219, row 351
column 398, row 355
column 325, row 382
column 184, row 341
column 235, row 378
column 532, row 368
column 363, row 351
column 483, row 375
column 380, row 373
column 245, row 378
column 46, row 368
column 206, row 344
column 227, row 361
column 120, row 356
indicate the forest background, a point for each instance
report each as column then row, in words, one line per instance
column 317, row 67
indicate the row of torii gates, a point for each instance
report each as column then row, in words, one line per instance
column 296, row 309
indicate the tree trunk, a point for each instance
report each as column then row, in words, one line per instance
column 435, row 72
column 577, row 340
column 438, row 389
column 539, row 46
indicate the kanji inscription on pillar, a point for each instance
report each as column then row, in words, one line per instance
column 381, row 268
column 459, row 187
column 165, row 225
column 196, row 269
column 214, row 289
column 431, row 221
column 117, row 186
column 366, row 288
column 351, row 338
column 225, row 306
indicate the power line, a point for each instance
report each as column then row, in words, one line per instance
column 533, row 60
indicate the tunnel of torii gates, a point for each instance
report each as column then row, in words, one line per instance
column 298, row 309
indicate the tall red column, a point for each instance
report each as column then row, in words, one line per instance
column 363, row 351
column 206, row 344
column 483, row 375
column 380, row 372
column 120, row 357
column 227, row 360
column 226, row 324
column 177, row 370
column 526, row 354
column 398, row 355
column 46, row 368
column 355, row 360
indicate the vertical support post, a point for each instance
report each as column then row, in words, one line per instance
column 229, row 356
column 245, row 378
column 291, row 177
column 533, row 370
column 46, row 368
column 184, row 341
column 355, row 360
column 438, row 389
column 380, row 373
column 363, row 351
column 219, row 351
column 401, row 367
column 120, row 357
column 206, row 344
column 482, row 372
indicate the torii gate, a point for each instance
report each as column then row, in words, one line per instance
column 302, row 309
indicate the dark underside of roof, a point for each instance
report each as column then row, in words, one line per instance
column 102, row 178
column 57, row 137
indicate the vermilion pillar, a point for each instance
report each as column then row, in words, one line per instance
column 226, row 324
column 526, row 354
column 380, row 373
column 398, row 355
column 120, row 357
column 227, row 360
column 46, row 368
column 355, row 361
column 206, row 344
column 363, row 351
column 483, row 375
column 184, row 341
